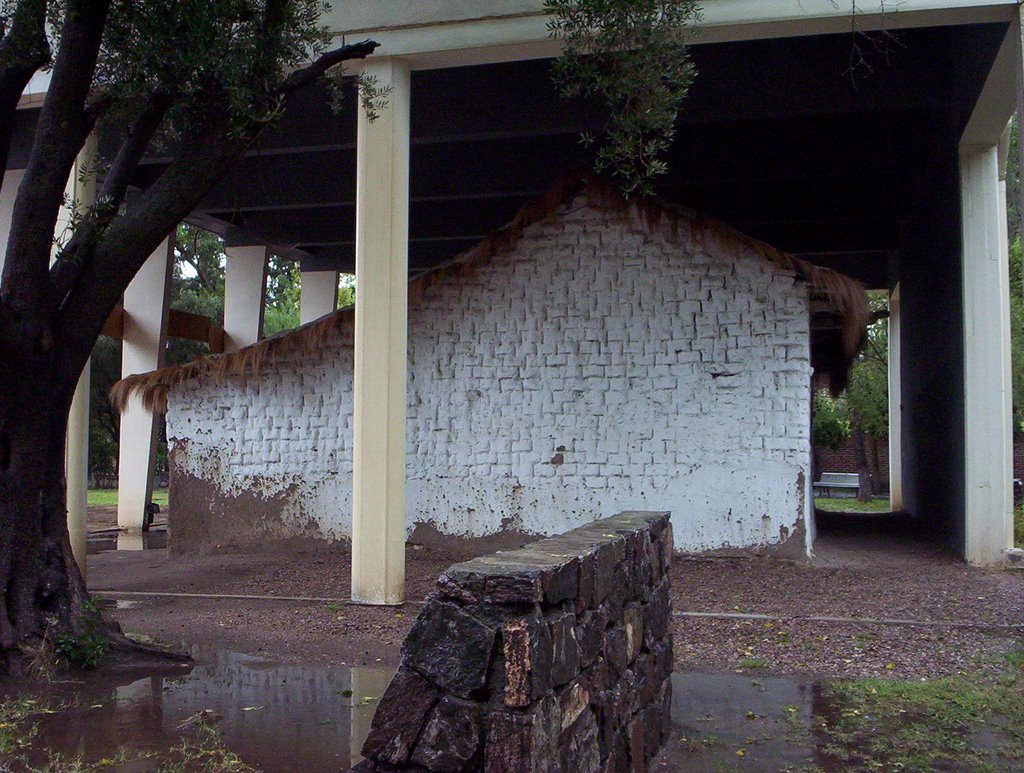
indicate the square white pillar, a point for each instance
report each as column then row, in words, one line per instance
column 382, row 276
column 145, row 331
column 319, row 294
column 8, row 192
column 245, row 293
column 988, row 527
column 895, row 405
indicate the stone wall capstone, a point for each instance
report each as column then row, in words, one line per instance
column 554, row 657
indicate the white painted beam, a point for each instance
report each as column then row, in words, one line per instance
column 895, row 405
column 245, row 293
column 998, row 99
column 319, row 294
column 382, row 266
column 988, row 518
column 453, row 33
column 145, row 331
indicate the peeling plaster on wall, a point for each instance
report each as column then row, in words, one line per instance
column 590, row 370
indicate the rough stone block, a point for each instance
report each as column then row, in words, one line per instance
column 523, row 740
column 451, row 737
column 666, row 547
column 399, row 717
column 657, row 613
column 578, row 747
column 637, row 755
column 573, row 701
column 616, row 649
column 450, row 647
column 633, row 623
column 565, row 650
column 527, row 650
column 590, row 627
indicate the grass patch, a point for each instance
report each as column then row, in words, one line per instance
column 972, row 721
column 15, row 733
column 107, row 497
column 1018, row 526
column 851, row 505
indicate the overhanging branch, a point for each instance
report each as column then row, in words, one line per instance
column 301, row 78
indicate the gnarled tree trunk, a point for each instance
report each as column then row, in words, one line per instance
column 43, row 589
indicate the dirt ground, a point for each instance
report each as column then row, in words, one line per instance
column 890, row 576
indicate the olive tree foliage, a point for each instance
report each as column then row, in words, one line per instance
column 193, row 82
column 632, row 55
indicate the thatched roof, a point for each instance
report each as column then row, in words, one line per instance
column 846, row 297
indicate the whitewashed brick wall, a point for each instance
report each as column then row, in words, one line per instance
column 590, row 370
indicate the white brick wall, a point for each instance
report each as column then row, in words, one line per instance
column 661, row 376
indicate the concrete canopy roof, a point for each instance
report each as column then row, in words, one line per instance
column 777, row 138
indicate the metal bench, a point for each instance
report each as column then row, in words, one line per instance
column 837, row 484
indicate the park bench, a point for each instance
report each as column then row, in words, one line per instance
column 837, row 484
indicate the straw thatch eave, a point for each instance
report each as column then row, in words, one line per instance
column 847, row 297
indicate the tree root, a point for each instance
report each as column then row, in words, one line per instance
column 118, row 643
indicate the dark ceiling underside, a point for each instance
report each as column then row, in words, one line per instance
column 777, row 138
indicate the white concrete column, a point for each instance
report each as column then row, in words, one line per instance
column 8, row 192
column 895, row 405
column 145, row 329
column 76, row 465
column 81, row 193
column 319, row 294
column 382, row 276
column 987, row 413
column 245, row 292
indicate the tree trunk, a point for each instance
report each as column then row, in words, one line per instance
column 43, row 589
column 876, row 467
column 863, row 470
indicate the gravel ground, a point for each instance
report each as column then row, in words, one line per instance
column 880, row 579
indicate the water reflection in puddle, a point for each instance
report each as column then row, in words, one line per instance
column 296, row 718
column 116, row 540
column 276, row 717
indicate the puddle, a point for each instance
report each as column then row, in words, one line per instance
column 297, row 718
column 275, row 717
column 149, row 540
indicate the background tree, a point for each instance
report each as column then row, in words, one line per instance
column 868, row 398
column 195, row 81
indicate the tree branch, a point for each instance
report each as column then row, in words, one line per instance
column 23, row 51
column 60, row 133
column 130, row 238
column 77, row 252
column 302, row 78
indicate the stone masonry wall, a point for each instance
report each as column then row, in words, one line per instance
column 555, row 657
column 593, row 368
